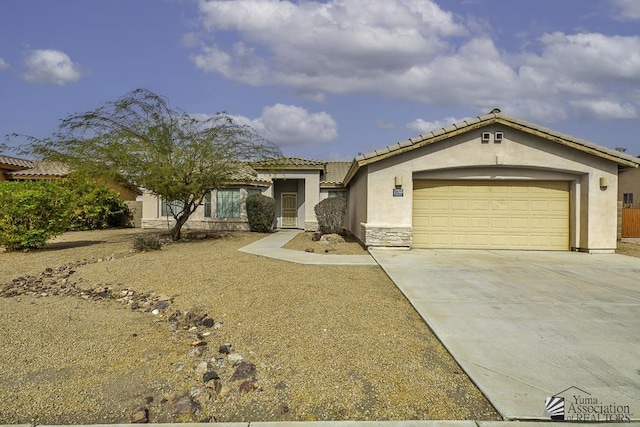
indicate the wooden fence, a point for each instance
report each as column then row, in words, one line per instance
column 630, row 222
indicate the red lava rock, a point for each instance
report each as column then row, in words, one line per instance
column 183, row 404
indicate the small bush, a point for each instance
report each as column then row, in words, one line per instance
column 95, row 206
column 31, row 213
column 330, row 214
column 261, row 212
column 147, row 242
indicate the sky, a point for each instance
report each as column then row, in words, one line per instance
column 334, row 78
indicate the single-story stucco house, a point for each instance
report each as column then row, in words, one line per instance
column 494, row 182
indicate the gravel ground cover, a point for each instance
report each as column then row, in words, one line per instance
column 303, row 242
column 307, row 342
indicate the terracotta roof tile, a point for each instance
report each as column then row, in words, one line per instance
column 247, row 174
column 284, row 162
column 14, row 161
column 336, row 172
column 42, row 169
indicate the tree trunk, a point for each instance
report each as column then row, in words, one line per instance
column 177, row 228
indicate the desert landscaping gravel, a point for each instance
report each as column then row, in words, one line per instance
column 93, row 332
column 304, row 242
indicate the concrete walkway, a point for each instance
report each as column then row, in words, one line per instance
column 271, row 247
column 526, row 326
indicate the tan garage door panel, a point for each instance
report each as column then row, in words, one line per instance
column 490, row 214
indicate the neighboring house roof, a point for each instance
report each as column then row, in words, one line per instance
column 495, row 116
column 40, row 170
column 289, row 163
column 7, row 162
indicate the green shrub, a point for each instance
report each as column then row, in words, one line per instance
column 261, row 212
column 31, row 213
column 94, row 205
column 147, row 242
column 330, row 214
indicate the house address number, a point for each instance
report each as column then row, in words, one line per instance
column 398, row 192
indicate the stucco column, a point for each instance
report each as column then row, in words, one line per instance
column 311, row 199
column 602, row 208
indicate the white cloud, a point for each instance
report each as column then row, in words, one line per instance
column 627, row 10
column 575, row 71
column 290, row 125
column 351, row 41
column 415, row 50
column 50, row 66
column 3, row 64
column 422, row 126
column 603, row 109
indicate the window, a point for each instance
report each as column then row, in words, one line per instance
column 171, row 208
column 207, row 205
column 228, row 203
column 627, row 198
column 251, row 191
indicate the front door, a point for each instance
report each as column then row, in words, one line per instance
column 289, row 210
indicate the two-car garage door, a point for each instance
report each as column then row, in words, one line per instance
column 491, row 214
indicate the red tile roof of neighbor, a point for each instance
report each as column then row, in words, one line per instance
column 41, row 169
column 16, row 162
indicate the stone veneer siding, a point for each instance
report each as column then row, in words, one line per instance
column 199, row 224
column 387, row 236
column 311, row 226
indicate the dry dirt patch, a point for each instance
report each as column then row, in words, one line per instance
column 327, row 342
column 303, row 242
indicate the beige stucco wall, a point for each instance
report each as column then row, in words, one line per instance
column 357, row 202
column 519, row 156
column 305, row 183
column 151, row 218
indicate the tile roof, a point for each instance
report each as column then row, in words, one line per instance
column 289, row 163
column 335, row 172
column 40, row 169
column 495, row 116
column 247, row 175
column 14, row 161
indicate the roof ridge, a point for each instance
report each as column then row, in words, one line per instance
column 494, row 114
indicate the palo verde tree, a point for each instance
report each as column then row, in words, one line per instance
column 141, row 139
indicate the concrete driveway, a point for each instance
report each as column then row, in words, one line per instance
column 528, row 325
